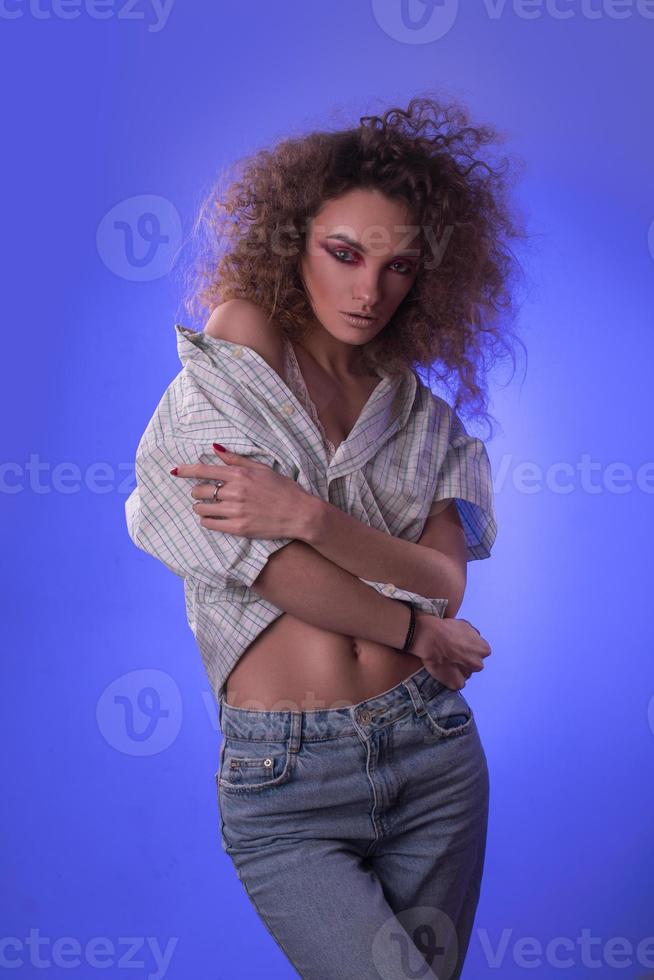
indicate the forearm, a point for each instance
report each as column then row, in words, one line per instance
column 378, row 557
column 304, row 583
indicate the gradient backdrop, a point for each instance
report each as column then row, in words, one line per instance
column 111, row 852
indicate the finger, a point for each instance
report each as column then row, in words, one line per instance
column 205, row 491
column 231, row 458
column 224, row 524
column 205, row 471
column 210, row 508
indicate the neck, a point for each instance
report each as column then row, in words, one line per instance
column 342, row 362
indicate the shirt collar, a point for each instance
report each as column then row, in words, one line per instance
column 385, row 413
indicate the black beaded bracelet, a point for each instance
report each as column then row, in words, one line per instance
column 412, row 625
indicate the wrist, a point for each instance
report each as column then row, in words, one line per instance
column 396, row 622
column 311, row 518
column 423, row 632
column 411, row 629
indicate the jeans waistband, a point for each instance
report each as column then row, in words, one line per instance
column 321, row 723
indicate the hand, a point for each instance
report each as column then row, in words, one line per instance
column 255, row 501
column 449, row 648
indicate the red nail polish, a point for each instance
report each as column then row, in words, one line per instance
column 220, row 448
column 174, row 471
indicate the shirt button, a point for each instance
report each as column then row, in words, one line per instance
column 388, row 589
column 287, row 408
column 237, row 352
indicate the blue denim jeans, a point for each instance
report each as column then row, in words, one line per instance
column 359, row 833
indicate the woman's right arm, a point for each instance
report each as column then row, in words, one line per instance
column 303, row 583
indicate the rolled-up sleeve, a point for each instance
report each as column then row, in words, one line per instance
column 161, row 520
column 465, row 476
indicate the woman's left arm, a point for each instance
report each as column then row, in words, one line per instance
column 435, row 565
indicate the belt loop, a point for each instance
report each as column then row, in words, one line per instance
column 416, row 696
column 295, row 738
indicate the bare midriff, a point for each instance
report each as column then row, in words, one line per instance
column 294, row 665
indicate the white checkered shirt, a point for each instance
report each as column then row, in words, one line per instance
column 407, row 451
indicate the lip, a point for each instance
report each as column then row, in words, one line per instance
column 358, row 318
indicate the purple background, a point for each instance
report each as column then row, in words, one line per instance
column 110, row 825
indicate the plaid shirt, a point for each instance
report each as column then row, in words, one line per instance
column 407, row 451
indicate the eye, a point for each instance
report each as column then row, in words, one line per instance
column 343, row 251
column 406, row 271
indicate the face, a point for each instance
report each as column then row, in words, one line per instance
column 372, row 276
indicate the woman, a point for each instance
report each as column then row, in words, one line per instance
column 353, row 786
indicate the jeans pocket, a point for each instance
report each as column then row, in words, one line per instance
column 251, row 765
column 449, row 713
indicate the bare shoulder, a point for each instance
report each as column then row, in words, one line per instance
column 242, row 321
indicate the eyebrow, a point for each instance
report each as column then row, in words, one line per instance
column 407, row 254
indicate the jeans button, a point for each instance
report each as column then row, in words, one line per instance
column 365, row 717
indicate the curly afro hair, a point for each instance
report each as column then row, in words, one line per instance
column 455, row 321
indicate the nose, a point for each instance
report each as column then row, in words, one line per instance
column 367, row 291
